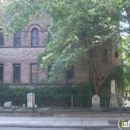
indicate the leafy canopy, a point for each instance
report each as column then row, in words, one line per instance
column 77, row 26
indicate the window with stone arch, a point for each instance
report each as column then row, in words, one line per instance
column 34, row 37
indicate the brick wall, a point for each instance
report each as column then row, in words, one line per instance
column 24, row 55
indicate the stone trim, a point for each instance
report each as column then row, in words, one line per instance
column 35, row 26
column 39, row 84
column 24, row 47
column 3, row 28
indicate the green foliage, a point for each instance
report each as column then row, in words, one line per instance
column 4, row 88
column 16, row 95
column 86, row 89
column 126, row 61
column 48, row 96
column 118, row 76
column 127, row 78
column 104, row 94
column 76, row 27
column 84, row 95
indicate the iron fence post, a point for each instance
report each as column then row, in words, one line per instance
column 72, row 103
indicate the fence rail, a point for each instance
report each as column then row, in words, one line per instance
column 54, row 103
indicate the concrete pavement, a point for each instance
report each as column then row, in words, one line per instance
column 49, row 122
column 17, row 128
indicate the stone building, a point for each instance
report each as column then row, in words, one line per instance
column 19, row 52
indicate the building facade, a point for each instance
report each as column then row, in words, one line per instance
column 19, row 52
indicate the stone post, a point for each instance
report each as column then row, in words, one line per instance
column 30, row 100
column 8, row 104
column 96, row 103
column 124, row 94
column 128, row 94
column 113, row 100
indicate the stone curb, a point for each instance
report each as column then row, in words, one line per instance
column 63, row 126
column 66, row 115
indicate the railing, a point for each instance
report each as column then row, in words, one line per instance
column 57, row 103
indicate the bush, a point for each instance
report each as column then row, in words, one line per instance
column 48, row 96
column 104, row 94
column 84, row 95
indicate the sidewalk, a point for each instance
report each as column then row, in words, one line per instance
column 49, row 122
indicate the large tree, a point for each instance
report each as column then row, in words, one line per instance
column 126, row 61
column 77, row 26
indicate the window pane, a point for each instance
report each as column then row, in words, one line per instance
column 1, row 39
column 1, row 73
column 17, row 42
column 34, row 37
column 16, row 76
column 70, row 75
column 34, row 33
column 34, row 77
column 17, row 35
column 34, row 68
column 17, row 39
column 34, row 73
column 34, row 42
column 1, row 34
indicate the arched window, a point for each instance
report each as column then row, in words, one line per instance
column 1, row 38
column 34, row 37
column 105, row 55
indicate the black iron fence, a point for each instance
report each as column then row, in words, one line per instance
column 58, row 103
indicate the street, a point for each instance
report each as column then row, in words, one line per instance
column 89, row 128
column 94, row 128
column 16, row 128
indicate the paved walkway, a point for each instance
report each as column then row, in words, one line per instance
column 77, row 122
column 20, row 128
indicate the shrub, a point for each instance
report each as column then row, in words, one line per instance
column 84, row 95
column 47, row 96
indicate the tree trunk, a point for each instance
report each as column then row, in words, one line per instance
column 96, row 90
column 95, row 87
